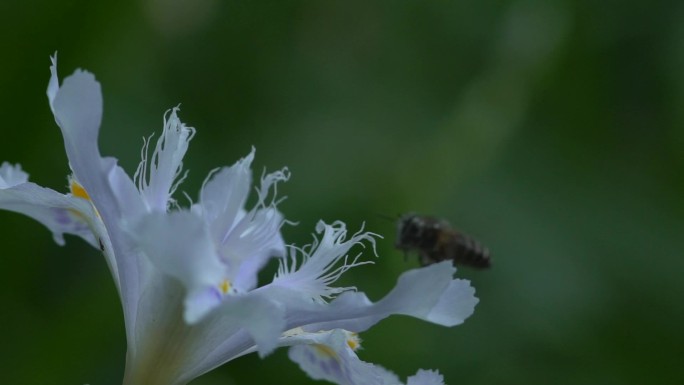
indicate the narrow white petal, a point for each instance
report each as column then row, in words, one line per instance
column 53, row 84
column 158, row 177
column 314, row 273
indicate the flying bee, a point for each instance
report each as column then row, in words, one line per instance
column 436, row 241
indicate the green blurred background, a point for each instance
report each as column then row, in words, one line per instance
column 551, row 130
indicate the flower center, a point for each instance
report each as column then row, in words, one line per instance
column 353, row 340
column 225, row 286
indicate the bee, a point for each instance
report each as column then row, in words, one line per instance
column 436, row 241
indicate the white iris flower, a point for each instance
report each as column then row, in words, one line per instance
column 187, row 277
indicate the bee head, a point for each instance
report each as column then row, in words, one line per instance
column 409, row 230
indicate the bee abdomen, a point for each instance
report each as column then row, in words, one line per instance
column 470, row 252
column 436, row 241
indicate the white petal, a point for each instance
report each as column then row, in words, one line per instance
column 224, row 195
column 11, row 175
column 62, row 214
column 158, row 320
column 456, row 304
column 158, row 177
column 428, row 293
column 432, row 295
column 200, row 302
column 158, row 329
column 53, row 84
column 322, row 264
column 263, row 319
column 77, row 107
column 426, row 377
column 179, row 245
column 58, row 212
column 246, row 239
column 254, row 240
column 78, row 112
column 240, row 325
column 327, row 356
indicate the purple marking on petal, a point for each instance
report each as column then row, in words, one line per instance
column 62, row 216
column 69, row 221
column 334, row 368
column 345, row 372
column 309, row 355
column 216, row 292
column 80, row 227
column 338, row 369
column 325, row 365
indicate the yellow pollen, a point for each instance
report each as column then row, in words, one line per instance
column 354, row 342
column 225, row 286
column 77, row 190
column 325, row 350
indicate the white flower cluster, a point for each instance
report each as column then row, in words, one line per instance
column 187, row 277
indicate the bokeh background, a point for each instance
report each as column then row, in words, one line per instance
column 551, row 130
